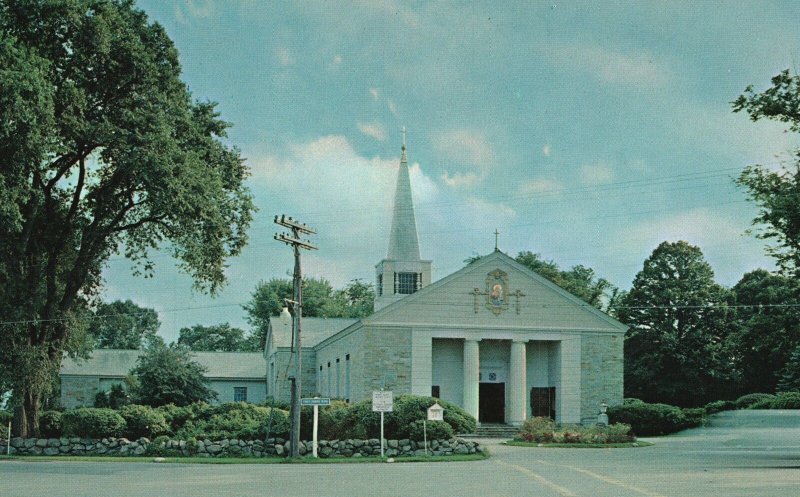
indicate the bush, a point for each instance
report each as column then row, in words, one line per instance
column 437, row 430
column 143, row 421
column 92, row 422
column 649, row 419
column 787, row 400
column 719, row 406
column 762, row 404
column 50, row 424
column 746, row 401
column 537, row 429
column 694, row 416
column 234, row 420
column 175, row 416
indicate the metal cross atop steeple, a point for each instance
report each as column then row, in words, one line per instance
column 404, row 137
column 496, row 235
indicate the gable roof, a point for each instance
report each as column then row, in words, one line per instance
column 493, row 259
column 115, row 363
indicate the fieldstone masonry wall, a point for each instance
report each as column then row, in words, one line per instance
column 272, row 447
column 601, row 373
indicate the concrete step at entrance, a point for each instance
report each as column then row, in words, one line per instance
column 496, row 430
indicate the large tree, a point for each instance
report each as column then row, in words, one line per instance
column 167, row 374
column 102, row 150
column 676, row 350
column 216, row 338
column 122, row 325
column 777, row 192
column 768, row 328
column 355, row 300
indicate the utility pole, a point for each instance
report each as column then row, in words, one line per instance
column 297, row 228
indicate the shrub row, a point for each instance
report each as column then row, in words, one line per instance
column 786, row 400
column 655, row 419
column 543, row 430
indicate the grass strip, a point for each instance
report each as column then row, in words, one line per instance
column 250, row 460
column 626, row 445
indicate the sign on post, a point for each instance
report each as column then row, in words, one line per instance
column 435, row 413
column 382, row 402
column 316, row 402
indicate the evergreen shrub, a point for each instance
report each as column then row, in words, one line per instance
column 238, row 420
column 746, row 401
column 653, row 419
column 765, row 403
column 92, row 422
column 143, row 421
column 719, row 406
column 787, row 400
column 50, row 424
column 437, row 430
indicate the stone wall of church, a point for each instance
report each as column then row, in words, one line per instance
column 387, row 358
column 350, row 370
column 601, row 373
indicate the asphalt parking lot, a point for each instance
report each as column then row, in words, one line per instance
column 747, row 453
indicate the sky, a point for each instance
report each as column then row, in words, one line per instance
column 587, row 132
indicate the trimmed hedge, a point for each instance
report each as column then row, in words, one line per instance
column 719, row 406
column 143, row 421
column 437, row 430
column 50, row 424
column 655, row 419
column 748, row 400
column 787, row 400
column 92, row 422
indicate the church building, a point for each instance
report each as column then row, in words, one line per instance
column 494, row 337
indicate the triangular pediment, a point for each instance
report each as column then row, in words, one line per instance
column 496, row 292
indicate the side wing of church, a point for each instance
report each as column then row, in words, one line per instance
column 494, row 337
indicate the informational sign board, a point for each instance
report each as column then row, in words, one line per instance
column 315, row 401
column 436, row 412
column 382, row 401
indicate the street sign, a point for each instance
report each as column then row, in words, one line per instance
column 315, row 401
column 382, row 401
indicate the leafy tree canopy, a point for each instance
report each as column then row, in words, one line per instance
column 777, row 193
column 123, row 325
column 102, row 150
column 768, row 329
column 676, row 350
column 355, row 300
column 216, row 338
column 166, row 374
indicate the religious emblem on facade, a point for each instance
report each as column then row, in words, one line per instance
column 496, row 289
column 497, row 293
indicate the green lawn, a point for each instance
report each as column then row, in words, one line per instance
column 251, row 460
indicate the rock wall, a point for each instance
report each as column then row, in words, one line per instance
column 272, row 447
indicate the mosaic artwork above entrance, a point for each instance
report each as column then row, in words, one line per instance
column 497, row 293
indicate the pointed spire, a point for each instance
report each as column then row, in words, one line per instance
column 403, row 242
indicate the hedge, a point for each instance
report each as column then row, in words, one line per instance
column 50, row 424
column 238, row 420
column 748, row 400
column 143, row 421
column 787, row 400
column 92, row 422
column 655, row 419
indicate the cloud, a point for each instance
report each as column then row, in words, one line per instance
column 460, row 179
column 193, row 9
column 546, row 150
column 375, row 130
column 539, row 186
column 284, row 56
column 596, row 174
column 375, row 94
column 465, row 146
column 391, row 106
column 337, row 60
column 638, row 68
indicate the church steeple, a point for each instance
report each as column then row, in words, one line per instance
column 403, row 242
column 402, row 272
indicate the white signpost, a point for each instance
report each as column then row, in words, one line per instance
column 316, row 402
column 382, row 402
column 435, row 413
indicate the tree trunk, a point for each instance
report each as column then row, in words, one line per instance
column 26, row 416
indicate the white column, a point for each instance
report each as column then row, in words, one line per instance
column 517, row 372
column 471, row 371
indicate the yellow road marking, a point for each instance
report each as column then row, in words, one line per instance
column 564, row 492
column 606, row 479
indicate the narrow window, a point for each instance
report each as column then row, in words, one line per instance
column 347, row 378
column 240, row 394
column 380, row 285
column 338, row 380
column 435, row 391
column 407, row 283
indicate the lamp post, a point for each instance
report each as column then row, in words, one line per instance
column 297, row 304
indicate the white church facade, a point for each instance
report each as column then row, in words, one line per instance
column 494, row 337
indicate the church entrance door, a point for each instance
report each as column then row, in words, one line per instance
column 492, row 403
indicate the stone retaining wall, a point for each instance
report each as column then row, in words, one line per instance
column 273, row 447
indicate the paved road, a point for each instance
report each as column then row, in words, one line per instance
column 743, row 454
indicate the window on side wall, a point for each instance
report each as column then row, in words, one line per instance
column 240, row 394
